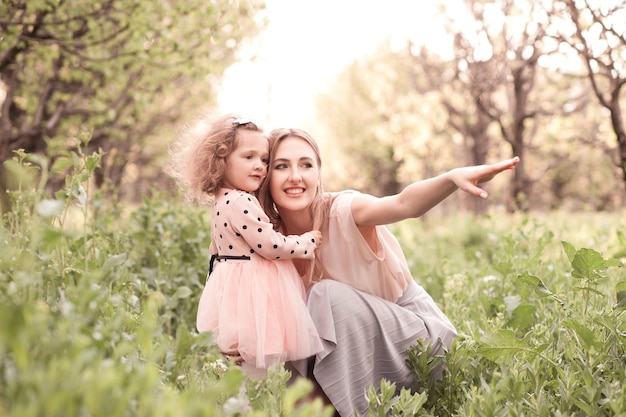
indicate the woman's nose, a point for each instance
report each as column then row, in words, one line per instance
column 294, row 175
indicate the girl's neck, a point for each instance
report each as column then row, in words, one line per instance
column 228, row 188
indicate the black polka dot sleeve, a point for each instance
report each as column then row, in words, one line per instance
column 252, row 224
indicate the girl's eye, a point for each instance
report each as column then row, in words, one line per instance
column 265, row 161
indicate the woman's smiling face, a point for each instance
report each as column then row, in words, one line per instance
column 295, row 175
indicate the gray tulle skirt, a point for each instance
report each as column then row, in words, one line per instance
column 366, row 339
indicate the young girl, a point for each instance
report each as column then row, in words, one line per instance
column 254, row 300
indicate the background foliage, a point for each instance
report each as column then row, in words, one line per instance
column 112, row 75
column 542, row 80
column 516, row 78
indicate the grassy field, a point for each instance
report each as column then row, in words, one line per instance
column 97, row 309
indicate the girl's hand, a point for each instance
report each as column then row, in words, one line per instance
column 317, row 235
column 468, row 178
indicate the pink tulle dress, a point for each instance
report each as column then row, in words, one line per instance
column 254, row 300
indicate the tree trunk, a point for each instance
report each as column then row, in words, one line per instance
column 618, row 127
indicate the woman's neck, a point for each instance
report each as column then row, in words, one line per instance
column 296, row 223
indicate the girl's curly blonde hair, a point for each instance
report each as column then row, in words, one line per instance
column 198, row 156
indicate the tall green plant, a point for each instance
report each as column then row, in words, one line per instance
column 92, row 324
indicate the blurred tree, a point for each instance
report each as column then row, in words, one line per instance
column 460, row 93
column 596, row 31
column 569, row 162
column 105, row 74
column 410, row 108
column 361, row 111
column 496, row 48
column 383, row 132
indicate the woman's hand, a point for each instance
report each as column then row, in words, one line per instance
column 468, row 178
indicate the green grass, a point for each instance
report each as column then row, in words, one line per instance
column 97, row 312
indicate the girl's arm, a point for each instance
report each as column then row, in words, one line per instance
column 252, row 225
column 419, row 197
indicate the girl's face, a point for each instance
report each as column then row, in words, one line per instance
column 295, row 175
column 246, row 166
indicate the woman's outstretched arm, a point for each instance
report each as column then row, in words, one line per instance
column 421, row 196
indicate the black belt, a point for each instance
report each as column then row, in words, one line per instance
column 225, row 258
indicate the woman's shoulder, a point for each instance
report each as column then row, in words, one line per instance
column 340, row 203
column 344, row 194
column 341, row 197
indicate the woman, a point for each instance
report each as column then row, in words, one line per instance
column 367, row 308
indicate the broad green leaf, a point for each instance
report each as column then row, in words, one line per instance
column 500, row 344
column 92, row 162
column 536, row 283
column 588, row 263
column 613, row 263
column 569, row 249
column 523, row 316
column 587, row 336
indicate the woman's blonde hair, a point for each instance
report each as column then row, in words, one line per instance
column 319, row 207
column 198, row 156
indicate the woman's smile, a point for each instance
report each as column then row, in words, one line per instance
column 294, row 191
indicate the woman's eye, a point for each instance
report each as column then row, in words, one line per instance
column 280, row 166
column 307, row 165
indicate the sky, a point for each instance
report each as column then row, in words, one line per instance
column 307, row 43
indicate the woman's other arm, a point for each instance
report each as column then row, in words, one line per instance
column 419, row 197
